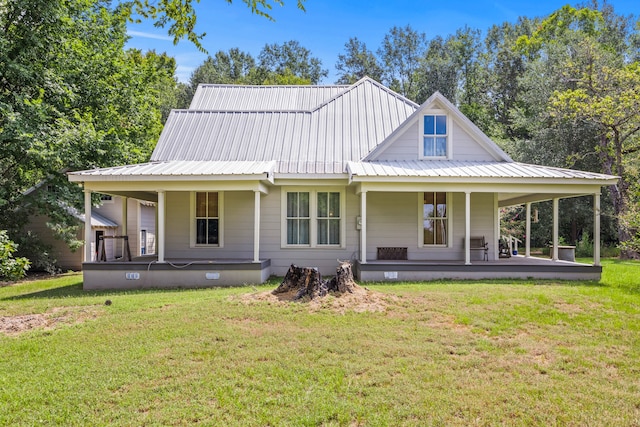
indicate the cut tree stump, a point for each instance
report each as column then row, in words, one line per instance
column 307, row 281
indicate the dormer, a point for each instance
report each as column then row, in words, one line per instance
column 437, row 130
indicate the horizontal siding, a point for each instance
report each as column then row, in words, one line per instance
column 403, row 148
column 465, row 148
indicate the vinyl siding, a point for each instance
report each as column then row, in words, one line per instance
column 325, row 259
column 392, row 220
column 407, row 146
column 465, row 148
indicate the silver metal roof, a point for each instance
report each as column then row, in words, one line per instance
column 344, row 127
column 459, row 169
column 180, row 168
column 260, row 98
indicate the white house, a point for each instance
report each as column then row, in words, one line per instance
column 111, row 218
column 251, row 179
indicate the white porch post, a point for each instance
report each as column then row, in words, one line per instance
column 554, row 255
column 161, row 224
column 527, row 237
column 363, row 227
column 256, row 227
column 87, row 226
column 125, row 213
column 467, row 228
column 596, row 229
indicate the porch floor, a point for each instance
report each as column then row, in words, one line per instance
column 516, row 267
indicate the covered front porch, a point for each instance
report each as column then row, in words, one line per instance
column 516, row 267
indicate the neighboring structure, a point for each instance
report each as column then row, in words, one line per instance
column 106, row 220
column 251, row 179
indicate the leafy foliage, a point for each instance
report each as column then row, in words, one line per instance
column 71, row 98
column 11, row 268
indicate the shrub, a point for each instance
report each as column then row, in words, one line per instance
column 11, row 268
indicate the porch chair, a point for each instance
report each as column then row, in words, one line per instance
column 479, row 244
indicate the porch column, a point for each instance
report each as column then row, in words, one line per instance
column 363, row 227
column 527, row 237
column 256, row 227
column 554, row 255
column 467, row 228
column 87, row 226
column 125, row 207
column 596, row 229
column 161, row 224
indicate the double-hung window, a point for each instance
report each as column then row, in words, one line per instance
column 435, row 219
column 298, row 219
column 435, row 135
column 207, row 218
column 313, row 218
column 328, row 218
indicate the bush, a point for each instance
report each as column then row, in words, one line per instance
column 11, row 268
column 584, row 246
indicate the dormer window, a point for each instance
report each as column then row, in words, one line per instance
column 435, row 135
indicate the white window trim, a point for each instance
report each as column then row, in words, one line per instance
column 313, row 216
column 192, row 220
column 421, row 219
column 431, row 112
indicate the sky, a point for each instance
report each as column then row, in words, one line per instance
column 327, row 25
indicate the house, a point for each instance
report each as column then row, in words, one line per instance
column 251, row 179
column 106, row 220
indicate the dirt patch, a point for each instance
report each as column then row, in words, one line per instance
column 359, row 300
column 15, row 325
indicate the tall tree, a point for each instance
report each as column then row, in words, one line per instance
column 400, row 54
column 291, row 58
column 357, row 62
column 71, row 97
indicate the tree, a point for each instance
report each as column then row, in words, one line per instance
column 71, row 97
column 290, row 58
column 401, row 54
column 357, row 62
column 578, row 102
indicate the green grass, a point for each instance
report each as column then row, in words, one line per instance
column 443, row 353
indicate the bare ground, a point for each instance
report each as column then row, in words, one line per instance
column 15, row 325
column 360, row 300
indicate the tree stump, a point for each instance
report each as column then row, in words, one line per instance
column 307, row 281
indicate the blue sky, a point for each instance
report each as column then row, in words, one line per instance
column 327, row 25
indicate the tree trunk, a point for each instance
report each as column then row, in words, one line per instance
column 307, row 282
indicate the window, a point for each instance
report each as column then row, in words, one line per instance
column 313, row 218
column 207, row 218
column 328, row 218
column 435, row 217
column 435, row 135
column 298, row 218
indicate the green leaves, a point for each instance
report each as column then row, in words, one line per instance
column 10, row 268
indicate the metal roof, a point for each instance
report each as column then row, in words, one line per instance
column 97, row 220
column 460, row 169
column 180, row 168
column 256, row 98
column 344, row 127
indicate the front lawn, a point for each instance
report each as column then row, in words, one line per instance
column 443, row 353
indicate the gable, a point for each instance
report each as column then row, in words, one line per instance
column 465, row 141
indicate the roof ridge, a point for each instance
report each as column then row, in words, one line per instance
column 270, row 86
column 366, row 79
column 188, row 110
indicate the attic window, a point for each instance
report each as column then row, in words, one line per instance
column 435, row 135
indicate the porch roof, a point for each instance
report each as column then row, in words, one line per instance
column 469, row 171
column 180, row 169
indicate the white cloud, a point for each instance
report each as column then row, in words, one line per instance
column 149, row 35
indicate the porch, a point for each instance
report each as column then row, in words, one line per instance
column 146, row 272
column 516, row 267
